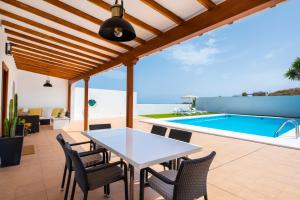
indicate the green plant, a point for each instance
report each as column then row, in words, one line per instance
column 244, row 94
column 293, row 72
column 11, row 122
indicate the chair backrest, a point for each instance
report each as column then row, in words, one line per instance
column 184, row 136
column 62, row 143
column 159, row 130
column 99, row 126
column 191, row 180
column 80, row 172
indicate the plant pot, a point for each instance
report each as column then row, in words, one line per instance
column 20, row 130
column 10, row 151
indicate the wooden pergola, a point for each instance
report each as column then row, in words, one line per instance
column 59, row 37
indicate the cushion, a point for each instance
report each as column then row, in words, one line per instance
column 55, row 111
column 103, row 177
column 35, row 111
column 164, row 189
column 47, row 113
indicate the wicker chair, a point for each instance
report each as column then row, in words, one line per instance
column 94, row 127
column 188, row 183
column 99, row 126
column 180, row 135
column 159, row 130
column 95, row 177
column 89, row 158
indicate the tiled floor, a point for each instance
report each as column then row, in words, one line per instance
column 241, row 170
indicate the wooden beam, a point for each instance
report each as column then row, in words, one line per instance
column 17, row 47
column 42, row 71
column 40, row 65
column 129, row 93
column 208, row 4
column 54, row 39
column 75, row 11
column 58, row 20
column 56, row 31
column 29, row 57
column 162, row 10
column 86, row 104
column 47, row 69
column 224, row 13
column 83, row 15
column 128, row 17
column 17, row 41
column 60, row 62
column 62, row 48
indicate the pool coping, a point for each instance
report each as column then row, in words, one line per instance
column 287, row 140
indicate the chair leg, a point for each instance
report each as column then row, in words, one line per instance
column 125, row 182
column 205, row 197
column 64, row 178
column 73, row 189
column 85, row 195
column 68, row 185
column 142, row 184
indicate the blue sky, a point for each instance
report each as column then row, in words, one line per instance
column 249, row 55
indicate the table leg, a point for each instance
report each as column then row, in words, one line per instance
column 131, row 182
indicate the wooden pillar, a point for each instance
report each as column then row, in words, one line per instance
column 69, row 98
column 129, row 94
column 86, row 104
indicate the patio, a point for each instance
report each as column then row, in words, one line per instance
column 61, row 42
column 241, row 170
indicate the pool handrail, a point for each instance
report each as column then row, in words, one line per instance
column 292, row 121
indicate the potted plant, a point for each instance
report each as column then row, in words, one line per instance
column 11, row 144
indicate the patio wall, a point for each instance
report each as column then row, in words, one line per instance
column 10, row 63
column 112, row 103
column 33, row 94
column 287, row 106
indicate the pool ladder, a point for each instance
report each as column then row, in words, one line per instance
column 291, row 121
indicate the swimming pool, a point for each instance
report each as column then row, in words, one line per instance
column 254, row 125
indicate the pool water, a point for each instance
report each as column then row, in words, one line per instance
column 255, row 125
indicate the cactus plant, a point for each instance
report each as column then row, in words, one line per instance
column 11, row 122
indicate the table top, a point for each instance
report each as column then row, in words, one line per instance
column 139, row 148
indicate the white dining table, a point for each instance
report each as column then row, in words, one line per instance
column 140, row 149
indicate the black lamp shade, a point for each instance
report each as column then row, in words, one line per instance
column 47, row 84
column 117, row 29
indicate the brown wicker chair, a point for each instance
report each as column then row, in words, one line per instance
column 98, row 176
column 89, row 158
column 159, row 130
column 188, row 183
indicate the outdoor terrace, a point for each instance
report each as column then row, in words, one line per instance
column 241, row 169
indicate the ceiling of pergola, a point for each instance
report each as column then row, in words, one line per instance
column 60, row 37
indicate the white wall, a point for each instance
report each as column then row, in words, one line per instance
column 32, row 93
column 10, row 63
column 144, row 109
column 110, row 103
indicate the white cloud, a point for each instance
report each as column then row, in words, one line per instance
column 269, row 55
column 211, row 42
column 192, row 56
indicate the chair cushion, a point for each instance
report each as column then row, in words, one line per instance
column 55, row 111
column 35, row 111
column 164, row 189
column 91, row 160
column 103, row 177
